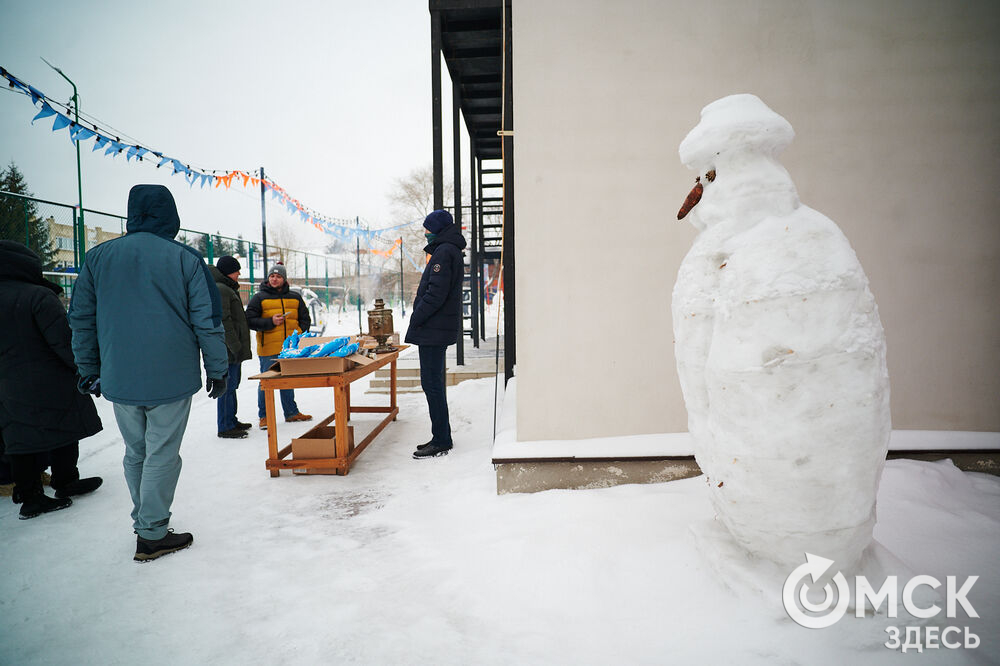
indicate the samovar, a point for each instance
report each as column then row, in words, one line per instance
column 380, row 326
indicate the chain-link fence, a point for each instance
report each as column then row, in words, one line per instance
column 335, row 286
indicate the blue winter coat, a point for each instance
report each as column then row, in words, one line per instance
column 437, row 309
column 143, row 306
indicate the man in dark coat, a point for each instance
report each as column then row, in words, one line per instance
column 436, row 321
column 42, row 416
column 145, row 310
column 226, row 272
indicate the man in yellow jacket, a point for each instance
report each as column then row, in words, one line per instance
column 276, row 312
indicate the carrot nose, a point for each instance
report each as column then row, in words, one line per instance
column 692, row 199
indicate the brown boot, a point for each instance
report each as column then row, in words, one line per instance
column 298, row 417
column 263, row 424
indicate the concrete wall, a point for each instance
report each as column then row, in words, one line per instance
column 895, row 104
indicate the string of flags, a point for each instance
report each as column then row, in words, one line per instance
column 112, row 146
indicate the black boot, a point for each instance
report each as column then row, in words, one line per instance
column 39, row 503
column 235, row 433
column 431, row 451
column 243, row 426
column 79, row 487
column 150, row 549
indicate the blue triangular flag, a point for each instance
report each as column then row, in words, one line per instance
column 141, row 152
column 163, row 161
column 44, row 113
column 204, row 179
column 101, row 142
column 132, row 150
column 35, row 94
column 178, row 167
column 61, row 122
column 113, row 148
column 81, row 133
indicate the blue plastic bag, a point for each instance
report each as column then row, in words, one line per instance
column 298, row 353
column 330, row 347
column 292, row 341
column 347, row 351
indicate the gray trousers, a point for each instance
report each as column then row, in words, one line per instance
column 152, row 461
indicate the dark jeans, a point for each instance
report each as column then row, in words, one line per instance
column 27, row 468
column 226, row 405
column 288, row 405
column 432, row 381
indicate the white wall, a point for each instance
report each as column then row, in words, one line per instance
column 895, row 104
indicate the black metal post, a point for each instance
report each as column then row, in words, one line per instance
column 436, row 109
column 402, row 293
column 357, row 237
column 263, row 226
column 509, row 339
column 456, row 133
column 475, row 265
column 481, row 244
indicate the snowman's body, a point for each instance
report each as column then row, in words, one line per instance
column 780, row 350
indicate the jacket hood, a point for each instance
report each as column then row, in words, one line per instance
column 151, row 208
column 450, row 234
column 18, row 262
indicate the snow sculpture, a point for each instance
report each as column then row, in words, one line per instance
column 780, row 350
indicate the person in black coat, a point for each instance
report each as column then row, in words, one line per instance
column 42, row 415
column 436, row 321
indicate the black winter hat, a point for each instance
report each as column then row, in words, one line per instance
column 227, row 265
column 437, row 221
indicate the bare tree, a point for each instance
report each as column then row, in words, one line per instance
column 411, row 199
column 283, row 237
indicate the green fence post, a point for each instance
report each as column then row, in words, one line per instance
column 250, row 261
column 211, row 248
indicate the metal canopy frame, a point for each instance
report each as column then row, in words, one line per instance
column 470, row 36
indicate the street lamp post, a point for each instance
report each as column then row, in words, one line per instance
column 81, row 228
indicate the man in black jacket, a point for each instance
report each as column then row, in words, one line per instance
column 226, row 272
column 436, row 321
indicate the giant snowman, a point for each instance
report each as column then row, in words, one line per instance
column 779, row 348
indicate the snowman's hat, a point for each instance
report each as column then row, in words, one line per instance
column 735, row 123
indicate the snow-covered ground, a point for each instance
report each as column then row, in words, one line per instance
column 420, row 562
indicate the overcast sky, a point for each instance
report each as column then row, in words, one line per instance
column 331, row 98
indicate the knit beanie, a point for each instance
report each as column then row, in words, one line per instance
column 227, row 265
column 278, row 268
column 437, row 221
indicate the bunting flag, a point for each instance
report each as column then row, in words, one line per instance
column 112, row 145
column 388, row 253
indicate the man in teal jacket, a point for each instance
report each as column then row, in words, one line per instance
column 144, row 308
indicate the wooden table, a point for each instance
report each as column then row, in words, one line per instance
column 272, row 380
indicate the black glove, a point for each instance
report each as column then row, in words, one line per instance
column 89, row 384
column 216, row 387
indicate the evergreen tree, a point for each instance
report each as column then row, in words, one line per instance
column 19, row 220
column 222, row 246
column 201, row 244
